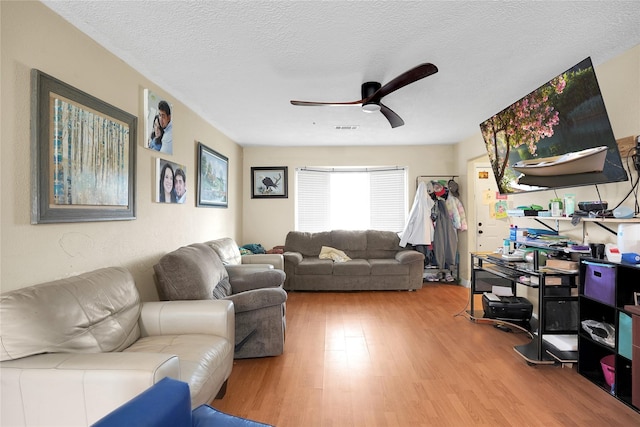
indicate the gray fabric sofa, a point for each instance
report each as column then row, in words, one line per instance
column 377, row 262
column 196, row 272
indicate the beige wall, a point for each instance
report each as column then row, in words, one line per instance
column 267, row 221
column 34, row 37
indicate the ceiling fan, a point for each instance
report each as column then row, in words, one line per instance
column 373, row 92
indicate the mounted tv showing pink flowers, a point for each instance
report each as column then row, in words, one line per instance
column 557, row 136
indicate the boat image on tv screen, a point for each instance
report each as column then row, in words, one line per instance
column 557, row 136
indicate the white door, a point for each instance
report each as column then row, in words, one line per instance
column 490, row 231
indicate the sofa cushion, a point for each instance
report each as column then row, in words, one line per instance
column 90, row 313
column 388, row 267
column 315, row 266
column 308, row 244
column 384, row 240
column 382, row 244
column 222, row 289
column 349, row 240
column 227, row 250
column 355, row 267
column 189, row 273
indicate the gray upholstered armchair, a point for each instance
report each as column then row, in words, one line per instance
column 197, row 272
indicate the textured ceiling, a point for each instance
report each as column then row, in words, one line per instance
column 238, row 64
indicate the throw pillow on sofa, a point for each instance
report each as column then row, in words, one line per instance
column 223, row 289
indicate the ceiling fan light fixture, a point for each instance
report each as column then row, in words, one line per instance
column 373, row 92
column 371, row 107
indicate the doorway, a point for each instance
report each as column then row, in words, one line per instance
column 489, row 231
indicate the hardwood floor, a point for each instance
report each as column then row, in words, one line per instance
column 408, row 359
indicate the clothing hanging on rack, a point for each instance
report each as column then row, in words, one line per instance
column 445, row 238
column 432, row 226
column 419, row 227
column 456, row 213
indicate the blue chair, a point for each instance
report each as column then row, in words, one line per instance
column 168, row 404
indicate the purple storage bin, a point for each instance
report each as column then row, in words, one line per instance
column 599, row 282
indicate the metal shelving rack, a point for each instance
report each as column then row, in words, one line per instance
column 538, row 351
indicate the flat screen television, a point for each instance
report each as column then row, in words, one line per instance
column 557, row 136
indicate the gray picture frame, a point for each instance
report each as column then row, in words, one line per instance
column 112, row 195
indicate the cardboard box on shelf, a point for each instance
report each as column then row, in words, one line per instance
column 553, row 281
column 562, row 264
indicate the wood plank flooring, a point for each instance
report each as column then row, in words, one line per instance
column 408, row 359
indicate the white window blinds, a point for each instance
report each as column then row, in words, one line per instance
column 351, row 199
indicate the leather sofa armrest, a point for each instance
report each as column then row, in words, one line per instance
column 276, row 260
column 294, row 258
column 257, row 299
column 80, row 387
column 210, row 317
column 409, row 256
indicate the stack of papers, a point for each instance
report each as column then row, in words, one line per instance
column 562, row 342
column 502, row 291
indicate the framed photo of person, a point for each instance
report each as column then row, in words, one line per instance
column 158, row 123
column 213, row 178
column 171, row 179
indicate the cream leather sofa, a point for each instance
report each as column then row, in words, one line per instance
column 73, row 350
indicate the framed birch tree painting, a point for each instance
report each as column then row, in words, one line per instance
column 83, row 155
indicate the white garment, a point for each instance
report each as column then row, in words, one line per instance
column 419, row 227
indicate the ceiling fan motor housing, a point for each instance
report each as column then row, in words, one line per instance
column 368, row 89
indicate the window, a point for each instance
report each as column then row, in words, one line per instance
column 351, row 199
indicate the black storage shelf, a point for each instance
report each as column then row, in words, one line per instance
column 591, row 309
column 589, row 355
column 624, row 379
column 590, row 351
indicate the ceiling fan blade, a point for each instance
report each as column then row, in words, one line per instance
column 413, row 75
column 325, row 104
column 394, row 119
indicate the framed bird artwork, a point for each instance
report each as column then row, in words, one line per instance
column 269, row 182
